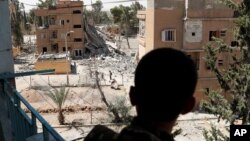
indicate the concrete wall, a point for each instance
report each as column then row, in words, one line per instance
column 192, row 23
column 5, row 39
column 164, row 20
column 6, row 66
column 60, row 66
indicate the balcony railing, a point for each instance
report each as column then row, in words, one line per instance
column 22, row 124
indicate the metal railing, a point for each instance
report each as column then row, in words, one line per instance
column 22, row 124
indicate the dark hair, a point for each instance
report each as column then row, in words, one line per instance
column 164, row 79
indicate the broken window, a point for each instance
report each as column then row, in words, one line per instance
column 77, row 12
column 168, row 35
column 67, row 21
column 77, row 26
column 64, row 49
column 77, row 40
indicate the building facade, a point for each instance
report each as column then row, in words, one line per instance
column 60, row 28
column 188, row 25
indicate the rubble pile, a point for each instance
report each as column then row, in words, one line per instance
column 95, row 43
column 115, row 67
column 24, row 62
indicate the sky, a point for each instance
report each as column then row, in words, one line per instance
column 107, row 4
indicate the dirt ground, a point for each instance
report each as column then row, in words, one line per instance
column 84, row 103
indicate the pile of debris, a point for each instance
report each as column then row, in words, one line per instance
column 95, row 43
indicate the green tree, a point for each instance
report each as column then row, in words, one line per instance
column 59, row 97
column 96, row 11
column 16, row 18
column 126, row 17
column 32, row 16
column 116, row 12
column 235, row 81
column 46, row 3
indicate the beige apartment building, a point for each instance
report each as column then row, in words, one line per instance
column 60, row 28
column 187, row 25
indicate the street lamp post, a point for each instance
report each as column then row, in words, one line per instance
column 66, row 49
column 66, row 43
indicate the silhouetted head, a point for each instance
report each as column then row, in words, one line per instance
column 165, row 80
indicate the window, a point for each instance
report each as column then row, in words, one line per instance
column 216, row 34
column 168, row 35
column 44, row 50
column 64, row 49
column 234, row 44
column 78, row 52
column 220, row 62
column 54, row 34
column 62, row 22
column 213, row 34
column 67, row 21
column 193, row 33
column 222, row 33
column 236, row 14
column 77, row 40
column 76, row 11
column 142, row 28
column 77, row 26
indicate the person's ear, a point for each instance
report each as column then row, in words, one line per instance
column 188, row 106
column 132, row 96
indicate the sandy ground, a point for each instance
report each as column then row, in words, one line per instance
column 84, row 103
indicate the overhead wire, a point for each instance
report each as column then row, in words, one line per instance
column 109, row 2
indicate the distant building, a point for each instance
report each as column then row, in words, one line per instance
column 187, row 25
column 65, row 17
column 60, row 62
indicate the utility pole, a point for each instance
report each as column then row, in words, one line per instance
column 6, row 65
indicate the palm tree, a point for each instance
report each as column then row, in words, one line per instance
column 58, row 96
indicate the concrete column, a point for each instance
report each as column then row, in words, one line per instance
column 6, row 65
column 6, row 59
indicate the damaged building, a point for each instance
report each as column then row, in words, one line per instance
column 60, row 28
column 188, row 25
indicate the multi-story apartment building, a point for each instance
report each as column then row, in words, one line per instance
column 187, row 25
column 60, row 28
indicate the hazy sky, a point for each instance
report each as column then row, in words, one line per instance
column 107, row 4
